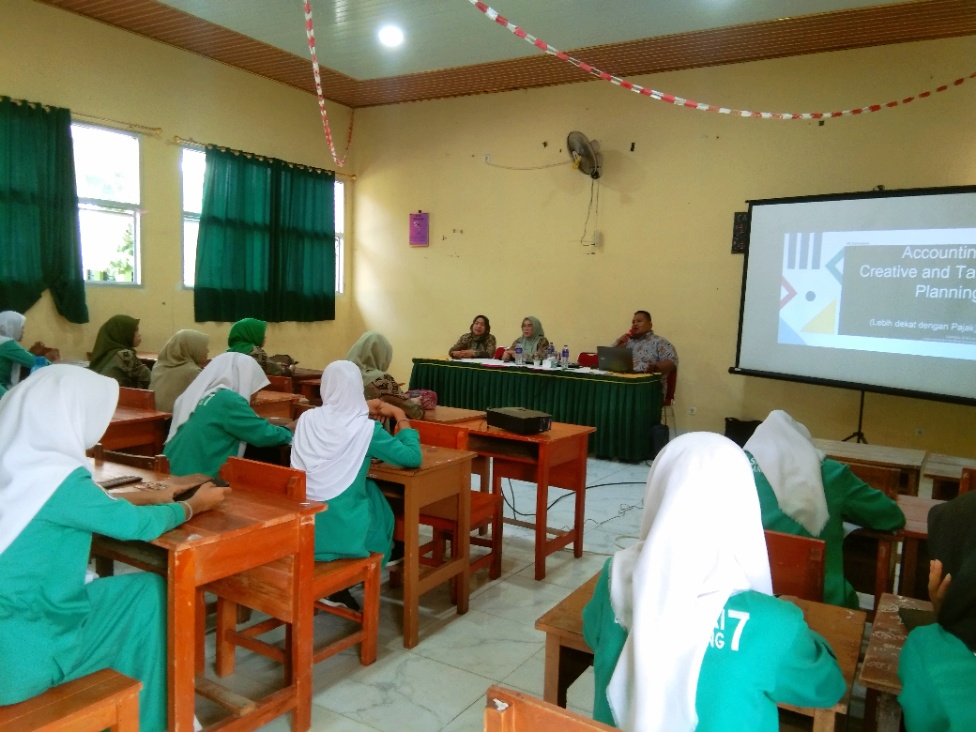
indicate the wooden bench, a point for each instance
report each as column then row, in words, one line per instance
column 103, row 700
column 515, row 711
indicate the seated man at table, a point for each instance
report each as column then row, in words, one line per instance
column 937, row 667
column 802, row 493
column 652, row 353
column 685, row 632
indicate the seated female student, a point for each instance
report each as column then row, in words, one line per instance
column 372, row 353
column 53, row 627
column 803, row 494
column 533, row 341
column 685, row 631
column 334, row 445
column 179, row 362
column 247, row 336
column 114, row 354
column 213, row 419
column 937, row 667
column 478, row 342
column 12, row 355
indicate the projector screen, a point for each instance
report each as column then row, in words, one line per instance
column 870, row 291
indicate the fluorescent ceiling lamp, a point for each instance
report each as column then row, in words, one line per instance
column 390, row 36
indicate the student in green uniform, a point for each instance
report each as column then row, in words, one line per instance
column 937, row 667
column 12, row 355
column 53, row 626
column 114, row 353
column 803, row 494
column 334, row 444
column 179, row 363
column 213, row 419
column 247, row 336
column 685, row 632
column 373, row 354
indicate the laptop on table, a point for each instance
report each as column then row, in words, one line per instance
column 617, row 360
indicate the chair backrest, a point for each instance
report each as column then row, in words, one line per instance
column 796, row 564
column 258, row 477
column 968, row 481
column 499, row 352
column 159, row 463
column 440, row 435
column 879, row 477
column 299, row 408
column 280, row 383
column 588, row 359
column 137, row 398
column 672, row 381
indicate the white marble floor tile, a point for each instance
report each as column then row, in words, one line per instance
column 520, row 598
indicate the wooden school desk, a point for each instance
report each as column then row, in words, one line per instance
column 879, row 672
column 912, row 582
column 270, row 404
column 444, row 475
column 136, row 430
column 568, row 655
column 909, row 462
column 946, row 473
column 245, row 531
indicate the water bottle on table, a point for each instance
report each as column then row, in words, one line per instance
column 551, row 356
column 564, row 361
column 519, row 357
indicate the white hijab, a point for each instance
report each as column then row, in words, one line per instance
column 331, row 441
column 12, row 329
column 235, row 371
column 46, row 424
column 701, row 542
column 787, row 457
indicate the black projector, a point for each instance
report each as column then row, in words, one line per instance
column 519, row 420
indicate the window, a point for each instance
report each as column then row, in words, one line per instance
column 107, row 181
column 194, row 166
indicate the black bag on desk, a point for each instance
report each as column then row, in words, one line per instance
column 740, row 430
column 660, row 434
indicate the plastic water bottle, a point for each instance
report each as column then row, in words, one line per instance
column 551, row 356
column 519, row 358
column 564, row 361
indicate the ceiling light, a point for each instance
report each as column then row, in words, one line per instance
column 390, row 36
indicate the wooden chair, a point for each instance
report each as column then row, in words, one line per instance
column 796, row 564
column 268, row 588
column 103, row 700
column 486, row 506
column 668, row 404
column 280, row 383
column 159, row 463
column 515, row 711
column 968, row 481
column 869, row 556
column 137, row 398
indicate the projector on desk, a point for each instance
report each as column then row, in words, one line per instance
column 519, row 420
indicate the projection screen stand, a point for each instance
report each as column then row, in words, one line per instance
column 860, row 420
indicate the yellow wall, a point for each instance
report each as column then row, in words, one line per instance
column 506, row 242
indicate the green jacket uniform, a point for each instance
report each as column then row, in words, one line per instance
column 54, row 628
column 12, row 356
column 938, row 676
column 761, row 652
column 360, row 520
column 848, row 499
column 215, row 430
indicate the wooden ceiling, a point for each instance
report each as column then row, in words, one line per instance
column 846, row 29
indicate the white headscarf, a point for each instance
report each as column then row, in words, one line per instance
column 46, row 424
column 787, row 457
column 331, row 441
column 12, row 329
column 701, row 542
column 235, row 371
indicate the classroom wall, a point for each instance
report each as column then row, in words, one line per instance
column 505, row 236
column 55, row 57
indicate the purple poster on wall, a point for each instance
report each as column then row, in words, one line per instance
column 419, row 228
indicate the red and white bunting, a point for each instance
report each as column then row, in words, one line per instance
column 310, row 32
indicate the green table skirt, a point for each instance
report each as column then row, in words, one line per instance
column 623, row 410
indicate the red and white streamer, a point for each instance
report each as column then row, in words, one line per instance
column 689, row 103
column 310, row 32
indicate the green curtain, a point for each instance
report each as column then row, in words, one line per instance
column 266, row 247
column 40, row 244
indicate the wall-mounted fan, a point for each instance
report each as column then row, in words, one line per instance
column 585, row 154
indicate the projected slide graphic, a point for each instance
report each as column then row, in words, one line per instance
column 880, row 291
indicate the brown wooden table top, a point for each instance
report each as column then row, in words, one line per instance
column 916, row 512
column 559, row 431
column 434, row 458
column 268, row 396
column 135, row 414
column 946, row 466
column 880, row 668
column 450, row 415
column 899, row 457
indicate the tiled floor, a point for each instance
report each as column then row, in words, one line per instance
column 441, row 683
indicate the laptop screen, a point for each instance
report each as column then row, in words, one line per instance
column 618, row 360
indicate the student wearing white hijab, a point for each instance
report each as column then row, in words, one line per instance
column 213, row 419
column 334, row 445
column 12, row 354
column 53, row 626
column 803, row 494
column 685, row 632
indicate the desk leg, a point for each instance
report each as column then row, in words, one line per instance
column 411, row 565
column 563, row 666
column 301, row 630
column 909, row 560
column 541, row 513
column 181, row 596
column 579, row 478
column 463, row 538
column 824, row 720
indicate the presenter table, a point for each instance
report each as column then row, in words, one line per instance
column 622, row 407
